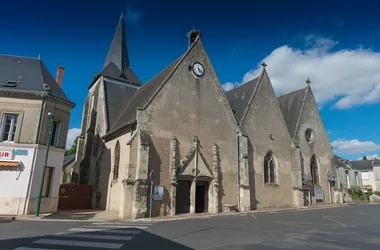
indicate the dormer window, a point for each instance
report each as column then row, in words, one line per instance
column 11, row 84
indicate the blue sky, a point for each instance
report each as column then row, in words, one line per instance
column 329, row 41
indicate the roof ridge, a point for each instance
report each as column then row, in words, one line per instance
column 27, row 57
column 291, row 92
column 242, row 84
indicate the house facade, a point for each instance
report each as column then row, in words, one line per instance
column 370, row 172
column 182, row 140
column 25, row 112
column 67, row 168
column 347, row 177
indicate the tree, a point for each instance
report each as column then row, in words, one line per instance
column 364, row 158
column 73, row 148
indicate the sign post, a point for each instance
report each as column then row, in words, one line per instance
column 151, row 177
column 330, row 177
column 307, row 185
column 309, row 198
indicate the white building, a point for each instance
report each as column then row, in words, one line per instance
column 26, row 99
column 370, row 172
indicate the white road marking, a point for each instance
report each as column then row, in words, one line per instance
column 123, row 224
column 79, row 243
column 116, row 226
column 81, row 229
column 32, row 248
column 96, row 236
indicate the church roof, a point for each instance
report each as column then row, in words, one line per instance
column 239, row 97
column 118, row 51
column 118, row 96
column 24, row 74
column 291, row 105
column 142, row 96
column 117, row 64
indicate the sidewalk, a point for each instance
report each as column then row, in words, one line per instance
column 258, row 211
column 7, row 217
column 100, row 215
column 73, row 216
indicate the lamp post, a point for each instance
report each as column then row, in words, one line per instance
column 47, row 150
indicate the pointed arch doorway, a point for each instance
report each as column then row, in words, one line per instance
column 317, row 191
column 193, row 195
column 195, row 192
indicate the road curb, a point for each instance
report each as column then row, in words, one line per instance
column 57, row 220
column 7, row 218
column 205, row 216
column 272, row 211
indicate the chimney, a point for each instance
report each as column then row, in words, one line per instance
column 59, row 76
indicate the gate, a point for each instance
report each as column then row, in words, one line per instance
column 72, row 197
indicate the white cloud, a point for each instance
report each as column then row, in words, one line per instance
column 349, row 77
column 354, row 146
column 71, row 135
column 228, row 86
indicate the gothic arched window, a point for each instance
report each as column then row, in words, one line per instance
column 269, row 168
column 116, row 161
column 314, row 170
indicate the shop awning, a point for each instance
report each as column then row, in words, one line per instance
column 9, row 164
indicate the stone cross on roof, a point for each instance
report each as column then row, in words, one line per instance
column 308, row 82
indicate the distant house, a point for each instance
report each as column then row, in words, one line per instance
column 370, row 172
column 26, row 103
column 67, row 168
column 347, row 177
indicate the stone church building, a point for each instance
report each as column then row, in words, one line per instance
column 208, row 151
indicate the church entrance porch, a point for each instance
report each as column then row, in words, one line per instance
column 195, row 184
column 192, row 196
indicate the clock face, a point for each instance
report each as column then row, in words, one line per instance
column 198, row 69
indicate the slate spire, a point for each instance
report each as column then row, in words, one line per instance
column 118, row 51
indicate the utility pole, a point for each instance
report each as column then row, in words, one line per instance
column 47, row 151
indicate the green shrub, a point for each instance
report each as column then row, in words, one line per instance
column 376, row 193
column 356, row 194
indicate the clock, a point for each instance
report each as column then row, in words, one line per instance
column 198, row 69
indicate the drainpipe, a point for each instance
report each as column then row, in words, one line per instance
column 238, row 171
column 36, row 140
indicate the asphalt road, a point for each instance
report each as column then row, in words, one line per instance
column 350, row 227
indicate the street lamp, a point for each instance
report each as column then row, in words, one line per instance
column 54, row 96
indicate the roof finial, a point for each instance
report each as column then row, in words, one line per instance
column 39, row 56
column 192, row 35
column 122, row 15
column 264, row 65
column 308, row 82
